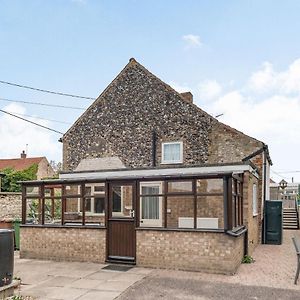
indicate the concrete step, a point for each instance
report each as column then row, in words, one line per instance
column 291, row 228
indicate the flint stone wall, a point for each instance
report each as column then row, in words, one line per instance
column 121, row 121
column 10, row 206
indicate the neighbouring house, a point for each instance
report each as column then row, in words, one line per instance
column 44, row 169
column 290, row 192
column 151, row 179
column 10, row 201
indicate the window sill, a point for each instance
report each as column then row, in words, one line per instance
column 63, row 226
column 236, row 232
column 171, row 162
column 180, row 229
column 91, row 214
column 255, row 215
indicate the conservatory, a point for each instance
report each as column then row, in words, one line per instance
column 191, row 218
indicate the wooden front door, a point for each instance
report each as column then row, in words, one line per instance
column 121, row 222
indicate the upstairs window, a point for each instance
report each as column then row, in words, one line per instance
column 172, row 153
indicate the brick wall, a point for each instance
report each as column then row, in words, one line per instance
column 44, row 169
column 63, row 244
column 10, row 206
column 193, row 251
column 253, row 223
column 230, row 145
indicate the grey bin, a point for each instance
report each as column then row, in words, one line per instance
column 6, row 256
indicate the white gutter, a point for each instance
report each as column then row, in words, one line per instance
column 138, row 173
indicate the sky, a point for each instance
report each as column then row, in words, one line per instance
column 238, row 58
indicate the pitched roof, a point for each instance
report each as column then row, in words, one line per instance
column 186, row 98
column 131, row 64
column 19, row 163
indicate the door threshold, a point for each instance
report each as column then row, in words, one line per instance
column 121, row 260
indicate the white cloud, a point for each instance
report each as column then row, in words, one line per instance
column 15, row 134
column 273, row 120
column 209, row 89
column 284, row 82
column 192, row 41
column 266, row 107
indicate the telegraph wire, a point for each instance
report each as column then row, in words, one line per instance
column 45, row 91
column 280, row 175
column 289, row 172
column 35, row 117
column 42, row 104
column 34, row 123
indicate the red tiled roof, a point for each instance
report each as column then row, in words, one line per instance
column 19, row 163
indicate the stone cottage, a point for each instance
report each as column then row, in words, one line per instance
column 150, row 179
column 44, row 169
column 10, row 202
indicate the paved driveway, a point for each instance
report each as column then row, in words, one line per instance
column 270, row 277
column 70, row 280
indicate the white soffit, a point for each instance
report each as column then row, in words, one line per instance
column 139, row 173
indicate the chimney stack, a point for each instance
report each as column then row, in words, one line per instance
column 188, row 96
column 23, row 154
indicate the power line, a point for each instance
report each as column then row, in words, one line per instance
column 279, row 174
column 34, row 123
column 45, row 91
column 35, row 117
column 289, row 172
column 41, row 104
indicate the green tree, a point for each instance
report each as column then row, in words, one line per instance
column 11, row 178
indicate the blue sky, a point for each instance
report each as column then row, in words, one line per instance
column 241, row 53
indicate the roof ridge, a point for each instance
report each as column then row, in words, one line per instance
column 17, row 158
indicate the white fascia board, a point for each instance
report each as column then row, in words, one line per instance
column 145, row 173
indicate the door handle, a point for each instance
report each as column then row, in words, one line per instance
column 132, row 213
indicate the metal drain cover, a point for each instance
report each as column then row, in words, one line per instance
column 120, row 268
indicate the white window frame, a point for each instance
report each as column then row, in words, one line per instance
column 180, row 161
column 254, row 200
column 151, row 222
column 93, row 195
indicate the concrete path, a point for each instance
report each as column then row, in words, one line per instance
column 70, row 280
column 270, row 277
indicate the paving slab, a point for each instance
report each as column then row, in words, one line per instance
column 85, row 283
column 73, row 280
column 101, row 295
column 127, row 277
column 103, row 275
column 58, row 281
column 115, row 286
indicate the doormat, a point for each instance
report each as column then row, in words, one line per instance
column 119, row 268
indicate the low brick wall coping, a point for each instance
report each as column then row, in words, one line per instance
column 10, row 193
